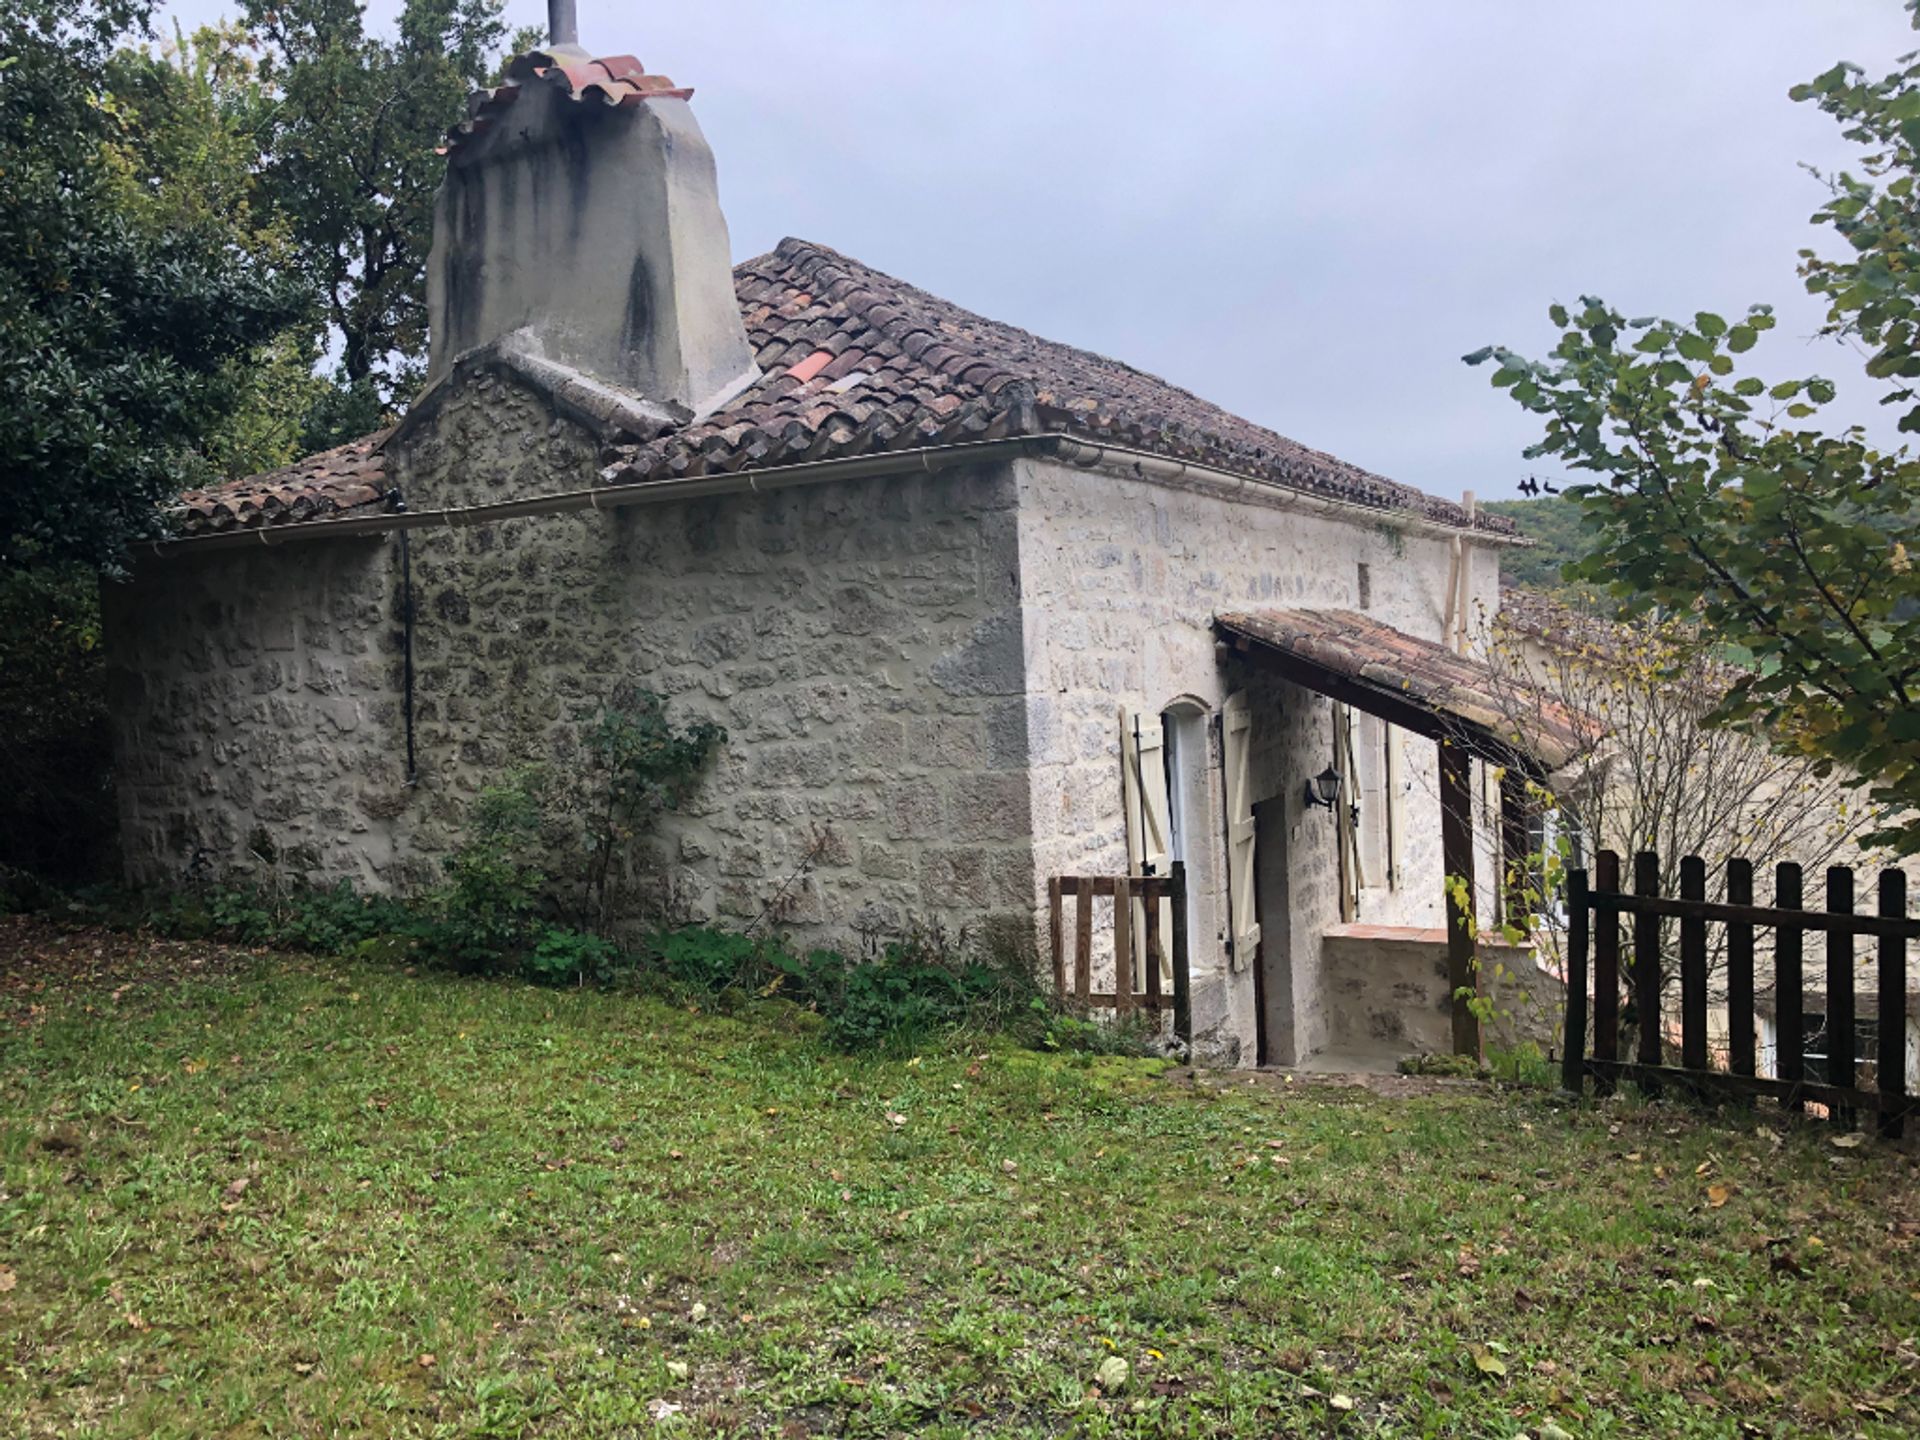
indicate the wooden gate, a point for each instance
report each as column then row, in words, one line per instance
column 1594, row 908
column 1129, row 992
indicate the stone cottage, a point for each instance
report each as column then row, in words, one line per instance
column 975, row 608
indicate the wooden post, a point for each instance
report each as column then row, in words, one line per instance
column 1789, row 1013
column 1083, row 943
column 1693, row 967
column 1573, row 1040
column 1740, row 972
column 1515, row 851
column 1056, row 929
column 1893, row 1009
column 1841, row 1032
column 1606, row 971
column 1182, row 995
column 1646, row 965
column 1122, row 946
column 1456, row 862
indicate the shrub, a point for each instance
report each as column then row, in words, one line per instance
column 573, row 957
column 487, row 915
column 638, row 765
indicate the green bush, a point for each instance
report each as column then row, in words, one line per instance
column 573, row 957
column 487, row 916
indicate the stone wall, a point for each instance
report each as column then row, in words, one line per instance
column 1120, row 579
column 859, row 641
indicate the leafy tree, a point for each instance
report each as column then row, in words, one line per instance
column 189, row 153
column 1719, row 493
column 114, row 358
column 1554, row 524
column 349, row 162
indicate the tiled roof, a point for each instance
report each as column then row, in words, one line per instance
column 346, row 478
column 611, row 80
column 855, row 362
column 1461, row 694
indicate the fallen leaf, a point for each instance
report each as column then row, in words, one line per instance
column 679, row 1369
column 896, row 1119
column 1341, row 1402
column 1849, row 1142
column 1112, row 1375
column 662, row 1409
column 428, row 1361
column 1717, row 1195
column 1486, row 1362
column 239, row 1187
column 698, row 1312
column 7, row 1279
column 1009, row 1167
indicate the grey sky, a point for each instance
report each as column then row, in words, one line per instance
column 1304, row 211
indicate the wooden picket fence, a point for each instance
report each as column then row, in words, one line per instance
column 1123, row 891
column 1594, row 907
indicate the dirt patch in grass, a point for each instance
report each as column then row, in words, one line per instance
column 47, row 968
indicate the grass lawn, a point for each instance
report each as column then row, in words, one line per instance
column 300, row 1197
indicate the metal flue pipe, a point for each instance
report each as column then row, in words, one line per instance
column 563, row 22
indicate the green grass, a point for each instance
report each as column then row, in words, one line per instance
column 562, row 1198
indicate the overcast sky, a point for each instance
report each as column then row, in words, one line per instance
column 1303, row 211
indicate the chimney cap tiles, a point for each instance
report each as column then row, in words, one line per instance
column 613, row 80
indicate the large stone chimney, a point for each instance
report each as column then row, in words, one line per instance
column 580, row 221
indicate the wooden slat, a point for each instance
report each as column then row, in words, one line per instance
column 1573, row 1043
column 1083, row 945
column 1908, row 929
column 1056, row 928
column 1122, row 947
column 1154, row 948
column 1693, row 968
column 1606, row 967
column 1646, row 959
column 1104, row 1000
column 1892, row 1058
column 1788, row 1011
column 1789, row 1093
column 1842, row 1038
column 1740, row 1040
column 1153, row 979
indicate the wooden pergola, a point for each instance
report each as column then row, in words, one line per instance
column 1452, row 699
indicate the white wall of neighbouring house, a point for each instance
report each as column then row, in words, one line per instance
column 1120, row 579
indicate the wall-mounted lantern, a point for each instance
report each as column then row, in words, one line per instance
column 1324, row 788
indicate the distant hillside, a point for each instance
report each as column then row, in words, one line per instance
column 1553, row 522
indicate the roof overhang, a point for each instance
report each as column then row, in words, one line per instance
column 1419, row 685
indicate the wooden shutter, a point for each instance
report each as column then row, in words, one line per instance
column 1236, row 736
column 1143, row 757
column 1343, row 763
column 1370, row 760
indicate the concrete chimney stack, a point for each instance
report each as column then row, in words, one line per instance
column 580, row 220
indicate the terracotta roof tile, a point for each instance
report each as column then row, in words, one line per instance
column 950, row 374
column 819, row 323
column 1456, row 689
column 350, row 477
column 618, row 80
